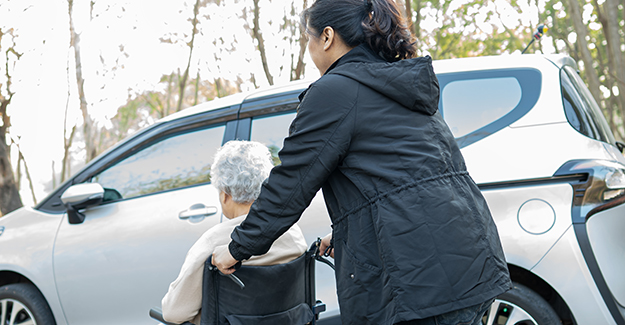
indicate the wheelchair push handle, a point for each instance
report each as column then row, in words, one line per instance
column 318, row 255
column 232, row 277
column 314, row 252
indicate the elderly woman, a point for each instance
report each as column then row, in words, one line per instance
column 238, row 171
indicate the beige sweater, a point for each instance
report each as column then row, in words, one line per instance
column 184, row 299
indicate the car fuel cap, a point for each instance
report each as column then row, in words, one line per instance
column 536, row 216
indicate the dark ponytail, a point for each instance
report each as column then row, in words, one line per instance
column 378, row 23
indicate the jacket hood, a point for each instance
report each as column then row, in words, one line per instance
column 410, row 82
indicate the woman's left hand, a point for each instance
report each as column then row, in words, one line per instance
column 223, row 260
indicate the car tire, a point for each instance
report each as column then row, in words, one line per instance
column 29, row 303
column 520, row 306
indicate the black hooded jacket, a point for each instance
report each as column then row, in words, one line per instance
column 413, row 235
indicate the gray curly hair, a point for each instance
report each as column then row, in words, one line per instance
column 239, row 169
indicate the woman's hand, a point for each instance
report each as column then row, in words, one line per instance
column 223, row 260
column 325, row 243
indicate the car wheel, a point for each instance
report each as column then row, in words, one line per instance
column 520, row 306
column 22, row 303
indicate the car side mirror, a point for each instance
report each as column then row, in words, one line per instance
column 81, row 196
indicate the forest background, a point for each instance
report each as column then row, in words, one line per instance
column 77, row 77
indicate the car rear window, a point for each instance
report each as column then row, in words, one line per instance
column 464, row 116
column 478, row 104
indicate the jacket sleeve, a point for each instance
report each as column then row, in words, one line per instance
column 319, row 140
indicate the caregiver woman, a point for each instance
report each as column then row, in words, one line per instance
column 414, row 241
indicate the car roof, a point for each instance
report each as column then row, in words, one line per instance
column 239, row 98
column 500, row 62
column 440, row 66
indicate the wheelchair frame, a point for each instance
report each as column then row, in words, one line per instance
column 310, row 257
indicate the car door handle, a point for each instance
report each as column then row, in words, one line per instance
column 197, row 211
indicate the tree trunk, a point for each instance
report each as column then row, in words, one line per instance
column 53, row 175
column 261, row 42
column 617, row 68
column 185, row 76
column 66, row 162
column 218, row 87
column 197, row 88
column 87, row 127
column 303, row 42
column 582, row 32
column 411, row 24
column 9, row 193
column 417, row 21
column 170, row 82
column 30, row 180
column 67, row 142
column 18, row 172
column 609, row 104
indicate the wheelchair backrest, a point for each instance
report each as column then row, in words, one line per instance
column 269, row 290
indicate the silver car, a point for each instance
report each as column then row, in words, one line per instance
column 104, row 246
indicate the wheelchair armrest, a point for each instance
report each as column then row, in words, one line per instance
column 157, row 314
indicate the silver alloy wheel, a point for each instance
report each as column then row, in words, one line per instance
column 503, row 312
column 13, row 312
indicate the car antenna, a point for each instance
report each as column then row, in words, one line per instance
column 542, row 29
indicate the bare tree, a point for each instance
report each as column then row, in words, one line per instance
column 582, row 33
column 183, row 81
column 9, row 193
column 67, row 140
column 613, row 39
column 260, row 41
column 87, row 127
column 409, row 17
column 298, row 69
column 615, row 70
column 21, row 160
column 67, row 143
column 197, row 88
column 414, row 25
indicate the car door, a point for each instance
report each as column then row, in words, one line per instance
column 118, row 263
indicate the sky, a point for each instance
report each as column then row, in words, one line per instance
column 123, row 54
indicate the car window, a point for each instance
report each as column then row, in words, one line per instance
column 479, row 103
column 170, row 163
column 581, row 109
column 271, row 131
column 473, row 103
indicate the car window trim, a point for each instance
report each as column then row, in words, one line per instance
column 532, row 182
column 272, row 104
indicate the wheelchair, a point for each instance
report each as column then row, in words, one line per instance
column 261, row 295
